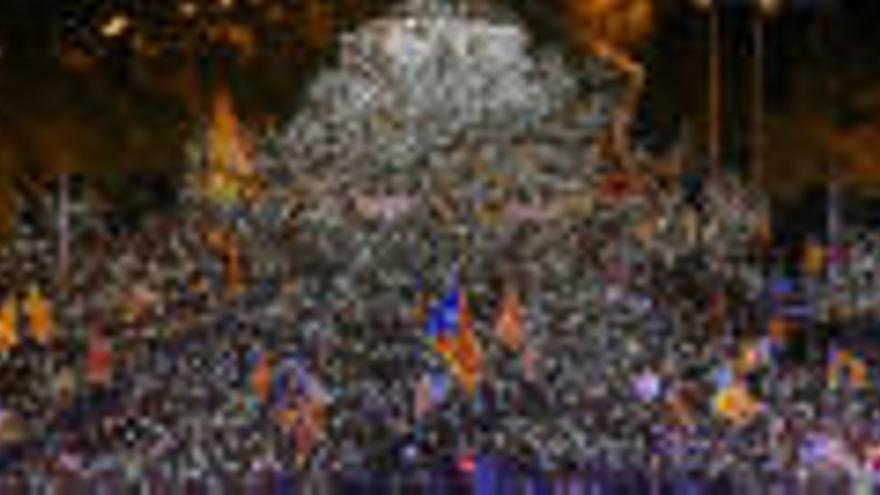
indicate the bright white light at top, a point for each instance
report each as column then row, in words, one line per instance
column 115, row 26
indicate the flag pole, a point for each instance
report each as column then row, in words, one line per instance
column 63, row 230
column 714, row 88
column 758, row 95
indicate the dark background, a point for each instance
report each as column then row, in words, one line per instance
column 117, row 109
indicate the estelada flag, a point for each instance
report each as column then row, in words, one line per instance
column 509, row 322
column 468, row 353
column 40, row 316
column 8, row 325
column 100, row 360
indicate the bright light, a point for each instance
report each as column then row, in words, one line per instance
column 188, row 9
column 115, row 26
column 704, row 4
column 769, row 6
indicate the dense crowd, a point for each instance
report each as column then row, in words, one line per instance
column 597, row 316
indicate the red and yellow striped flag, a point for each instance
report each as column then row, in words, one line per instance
column 261, row 378
column 40, row 316
column 8, row 325
column 468, row 353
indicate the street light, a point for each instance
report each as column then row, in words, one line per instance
column 763, row 9
column 714, row 76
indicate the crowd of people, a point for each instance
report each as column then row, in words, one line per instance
column 386, row 305
column 169, row 358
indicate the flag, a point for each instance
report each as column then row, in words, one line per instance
column 278, row 391
column 39, row 316
column 305, row 436
column 858, row 372
column 753, row 356
column 846, row 365
column 444, row 324
column 439, row 337
column 468, row 354
column 100, row 359
column 317, row 400
column 509, row 322
column 310, row 416
column 779, row 330
column 735, row 404
column 813, row 262
column 8, row 325
column 233, row 269
column 261, row 378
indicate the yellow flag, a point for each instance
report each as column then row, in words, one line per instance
column 8, row 325
column 814, row 259
column 40, row 316
column 735, row 404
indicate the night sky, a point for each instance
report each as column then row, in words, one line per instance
column 72, row 99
